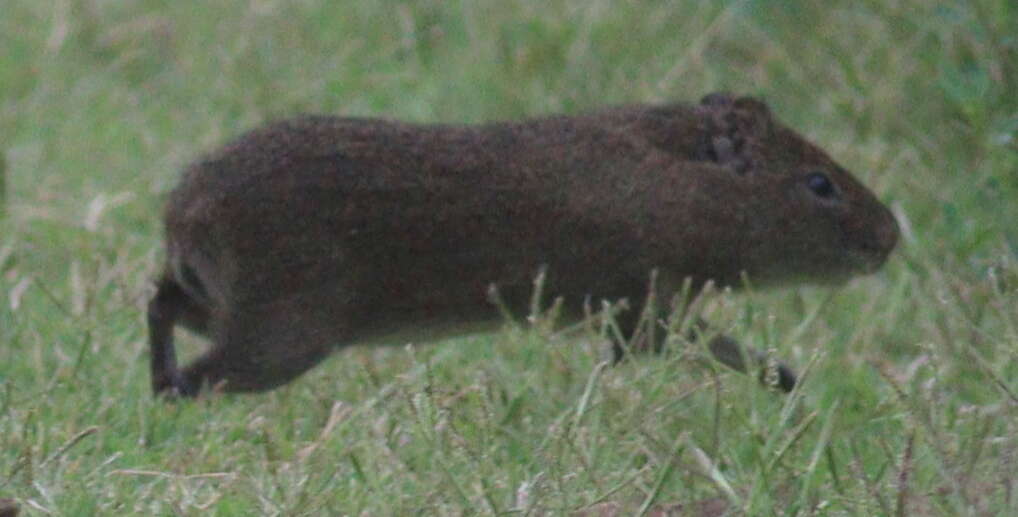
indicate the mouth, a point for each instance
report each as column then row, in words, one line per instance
column 867, row 261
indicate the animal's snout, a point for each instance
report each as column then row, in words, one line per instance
column 882, row 239
column 887, row 233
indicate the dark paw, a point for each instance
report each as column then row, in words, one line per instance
column 774, row 374
column 173, row 386
column 786, row 380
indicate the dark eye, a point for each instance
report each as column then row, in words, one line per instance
column 821, row 185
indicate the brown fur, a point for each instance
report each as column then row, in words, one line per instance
column 8, row 508
column 319, row 232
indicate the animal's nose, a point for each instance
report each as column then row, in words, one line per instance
column 879, row 238
column 887, row 233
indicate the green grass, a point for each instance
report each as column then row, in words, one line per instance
column 910, row 400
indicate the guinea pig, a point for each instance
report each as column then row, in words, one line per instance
column 313, row 233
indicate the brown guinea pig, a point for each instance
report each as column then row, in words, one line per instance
column 318, row 232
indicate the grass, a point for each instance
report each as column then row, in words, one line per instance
column 910, row 398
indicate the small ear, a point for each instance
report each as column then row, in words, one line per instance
column 732, row 129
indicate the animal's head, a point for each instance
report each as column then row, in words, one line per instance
column 802, row 216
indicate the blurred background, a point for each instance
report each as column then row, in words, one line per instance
column 103, row 102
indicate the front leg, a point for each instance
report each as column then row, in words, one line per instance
column 642, row 332
column 732, row 354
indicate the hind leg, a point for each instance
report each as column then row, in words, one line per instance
column 169, row 305
column 257, row 350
